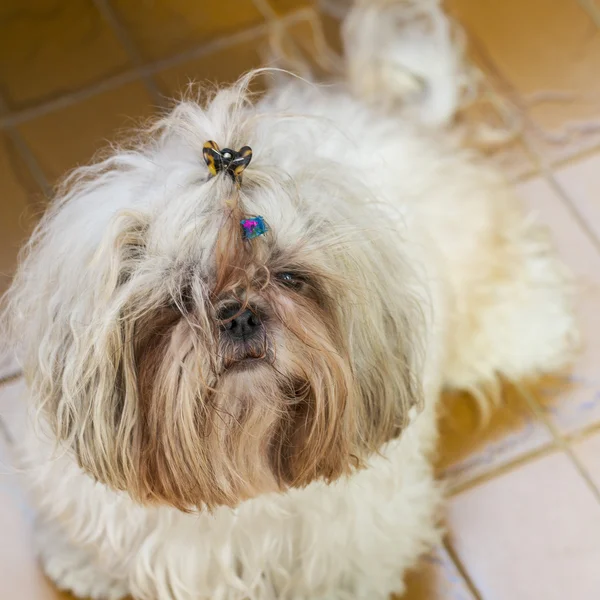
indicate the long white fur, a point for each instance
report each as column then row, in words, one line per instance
column 408, row 53
column 495, row 300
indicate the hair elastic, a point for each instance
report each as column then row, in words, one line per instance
column 253, row 227
column 229, row 161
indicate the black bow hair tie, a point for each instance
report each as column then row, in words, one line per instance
column 230, row 161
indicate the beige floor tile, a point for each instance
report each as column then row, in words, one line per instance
column 85, row 128
column 20, row 577
column 531, row 534
column 588, row 452
column 470, row 448
column 549, row 54
column 54, row 46
column 572, row 401
column 18, row 195
column 161, row 28
column 581, row 181
column 221, row 67
column 436, row 578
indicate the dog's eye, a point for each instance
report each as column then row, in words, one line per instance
column 292, row 280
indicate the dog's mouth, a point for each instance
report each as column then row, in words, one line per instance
column 247, row 358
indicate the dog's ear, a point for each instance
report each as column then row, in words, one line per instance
column 384, row 314
column 389, row 381
column 63, row 313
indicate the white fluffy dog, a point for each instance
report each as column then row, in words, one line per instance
column 227, row 413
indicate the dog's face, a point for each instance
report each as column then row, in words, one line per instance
column 190, row 366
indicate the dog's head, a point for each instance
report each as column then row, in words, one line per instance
column 188, row 365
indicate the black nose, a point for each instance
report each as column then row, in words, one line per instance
column 239, row 324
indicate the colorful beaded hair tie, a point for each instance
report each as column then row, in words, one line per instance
column 230, row 161
column 253, row 227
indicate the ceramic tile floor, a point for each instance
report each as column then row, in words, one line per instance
column 523, row 515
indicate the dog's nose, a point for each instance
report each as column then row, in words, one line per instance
column 239, row 324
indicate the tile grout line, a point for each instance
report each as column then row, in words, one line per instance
column 447, row 544
column 110, row 83
column 10, row 377
column 4, row 430
column 510, row 465
column 592, row 10
column 548, row 174
column 545, row 169
column 550, row 177
column 517, row 462
column 115, row 81
column 122, row 34
column 30, row 161
column 27, row 156
column 5, row 433
column 542, row 167
column 575, row 157
column 560, row 441
column 28, row 114
column 523, row 177
column 583, row 433
column 274, row 21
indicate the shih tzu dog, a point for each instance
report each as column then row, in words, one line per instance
column 235, row 332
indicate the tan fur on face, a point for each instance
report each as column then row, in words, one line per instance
column 235, row 435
